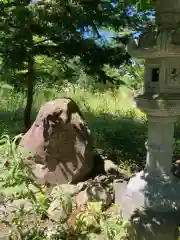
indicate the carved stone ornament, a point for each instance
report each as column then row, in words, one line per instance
column 175, row 37
column 174, row 76
column 147, row 39
column 168, row 13
column 167, row 6
column 152, row 147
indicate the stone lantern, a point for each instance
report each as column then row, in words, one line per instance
column 155, row 189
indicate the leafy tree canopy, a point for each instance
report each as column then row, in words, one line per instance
column 63, row 30
column 61, row 27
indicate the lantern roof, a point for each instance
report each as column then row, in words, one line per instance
column 168, row 13
column 164, row 41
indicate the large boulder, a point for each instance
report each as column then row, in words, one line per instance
column 60, row 142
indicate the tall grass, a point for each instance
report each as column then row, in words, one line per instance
column 114, row 120
column 117, row 126
column 108, row 101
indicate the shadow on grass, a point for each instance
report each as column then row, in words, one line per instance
column 11, row 123
column 121, row 138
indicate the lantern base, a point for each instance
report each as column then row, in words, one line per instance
column 146, row 191
column 152, row 204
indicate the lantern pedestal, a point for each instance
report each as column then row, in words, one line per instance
column 156, row 188
column 152, row 196
column 146, row 192
column 152, row 205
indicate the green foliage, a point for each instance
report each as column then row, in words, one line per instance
column 57, row 29
column 28, row 224
column 60, row 30
column 134, row 76
column 16, row 179
column 143, row 5
column 45, row 27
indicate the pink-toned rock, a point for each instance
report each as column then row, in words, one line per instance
column 60, row 140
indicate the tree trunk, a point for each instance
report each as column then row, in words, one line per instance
column 30, row 91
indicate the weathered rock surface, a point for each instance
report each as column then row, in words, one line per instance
column 64, row 188
column 7, row 209
column 110, row 167
column 18, row 204
column 176, row 168
column 93, row 194
column 102, row 165
column 60, row 141
column 60, row 208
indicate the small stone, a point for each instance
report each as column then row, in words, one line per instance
column 2, row 210
column 114, row 210
column 64, row 188
column 81, row 186
column 61, row 205
column 40, row 172
column 59, row 211
column 100, row 178
column 89, row 182
column 93, row 194
column 4, row 232
column 110, row 167
column 176, row 168
column 18, row 204
column 81, row 199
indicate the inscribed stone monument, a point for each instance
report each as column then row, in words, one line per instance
column 59, row 144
